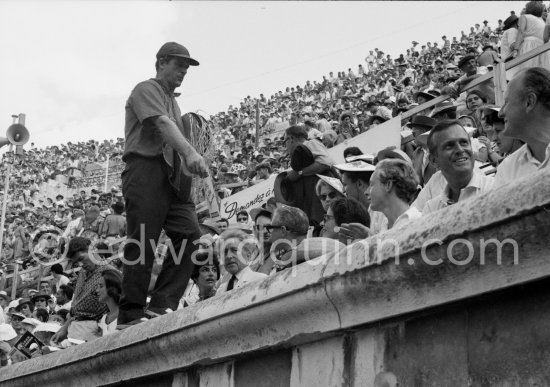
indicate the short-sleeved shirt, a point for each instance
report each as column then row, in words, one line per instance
column 320, row 152
column 479, row 184
column 148, row 99
column 519, row 164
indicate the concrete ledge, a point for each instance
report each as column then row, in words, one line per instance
column 322, row 300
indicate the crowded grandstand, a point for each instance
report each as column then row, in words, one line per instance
column 293, row 166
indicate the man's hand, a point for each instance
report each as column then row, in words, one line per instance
column 5, row 348
column 354, row 231
column 60, row 335
column 485, row 141
column 196, row 164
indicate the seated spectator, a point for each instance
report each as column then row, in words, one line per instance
column 109, row 289
column 451, row 150
column 495, row 128
column 393, row 187
column 421, row 162
column 262, row 218
column 376, row 109
column 237, row 249
column 60, row 317
column 206, row 274
column 355, row 180
column 64, row 296
column 114, row 225
column 41, row 300
column 25, row 307
column 444, row 111
column 41, row 314
column 15, row 320
column 223, row 224
column 344, row 211
column 58, row 275
column 288, row 229
column 328, row 189
column 526, row 113
column 86, row 309
column 242, row 217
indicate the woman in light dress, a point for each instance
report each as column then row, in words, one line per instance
column 530, row 36
column 108, row 292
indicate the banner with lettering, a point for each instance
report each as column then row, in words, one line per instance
column 247, row 199
column 370, row 142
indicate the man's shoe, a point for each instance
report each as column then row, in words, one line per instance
column 125, row 316
column 120, row 327
column 155, row 312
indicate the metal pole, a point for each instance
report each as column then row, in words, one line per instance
column 106, row 173
column 15, row 279
column 5, row 202
column 257, row 123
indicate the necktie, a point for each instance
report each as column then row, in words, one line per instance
column 231, row 283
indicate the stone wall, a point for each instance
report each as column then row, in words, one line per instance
column 376, row 314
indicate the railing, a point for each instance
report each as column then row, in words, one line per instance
column 498, row 73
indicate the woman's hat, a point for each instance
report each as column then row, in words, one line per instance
column 333, row 182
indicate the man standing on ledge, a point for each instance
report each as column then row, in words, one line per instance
column 156, row 184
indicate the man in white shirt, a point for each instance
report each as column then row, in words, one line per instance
column 237, row 249
column 526, row 114
column 451, row 151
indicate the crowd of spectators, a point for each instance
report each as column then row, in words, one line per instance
column 368, row 194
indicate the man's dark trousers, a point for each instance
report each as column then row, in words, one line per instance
column 152, row 205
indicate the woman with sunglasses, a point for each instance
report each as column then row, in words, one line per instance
column 327, row 189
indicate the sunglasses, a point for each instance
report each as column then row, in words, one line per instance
column 271, row 227
column 330, row 195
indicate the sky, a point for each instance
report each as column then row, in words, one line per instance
column 71, row 65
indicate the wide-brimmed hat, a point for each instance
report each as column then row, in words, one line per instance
column 426, row 95
column 7, row 332
column 366, row 158
column 208, row 226
column 41, row 295
column 333, row 182
column 443, row 108
column 422, row 121
column 283, row 189
column 356, row 166
column 5, row 296
column 465, row 59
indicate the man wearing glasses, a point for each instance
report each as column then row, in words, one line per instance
column 262, row 219
column 288, row 228
column 237, row 249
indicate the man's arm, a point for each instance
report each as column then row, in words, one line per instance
column 172, row 135
column 314, row 169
